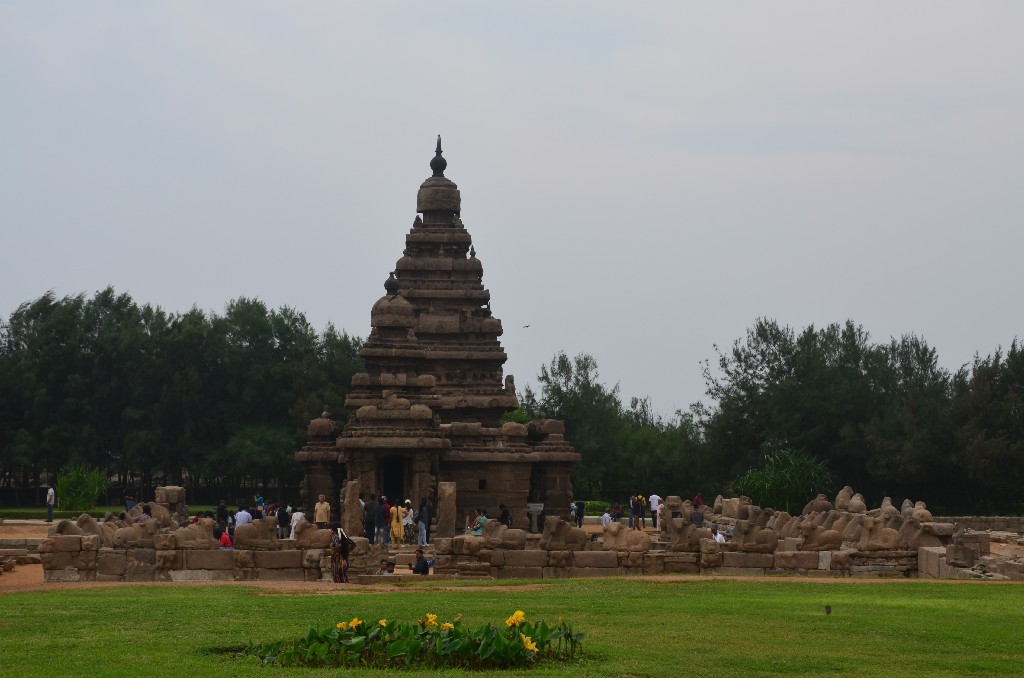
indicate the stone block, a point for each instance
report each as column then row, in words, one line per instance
column 527, row 558
column 246, row 574
column 556, row 572
column 90, row 542
column 67, row 542
column 711, row 560
column 66, row 574
column 280, row 574
column 84, row 560
column 163, row 542
column 789, row 544
column 473, row 569
column 824, row 560
column 559, row 559
column 797, row 560
column 136, row 571
column 169, row 560
column 277, row 560
column 929, row 560
column 738, row 559
column 311, row 558
column 654, row 563
column 679, row 566
column 841, row 560
column 147, row 556
column 46, row 546
column 520, row 573
column 210, row 560
column 55, row 560
column 443, row 546
column 496, row 557
column 107, row 577
column 244, row 558
column 592, row 559
column 444, row 562
column 111, row 562
column 738, row 571
column 632, row 559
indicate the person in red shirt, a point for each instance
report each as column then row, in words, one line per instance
column 224, row 541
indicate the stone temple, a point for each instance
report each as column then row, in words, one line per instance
column 428, row 408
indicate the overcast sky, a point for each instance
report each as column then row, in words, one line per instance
column 641, row 180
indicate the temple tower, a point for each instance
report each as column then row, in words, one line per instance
column 428, row 408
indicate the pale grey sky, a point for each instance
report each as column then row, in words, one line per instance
column 641, row 181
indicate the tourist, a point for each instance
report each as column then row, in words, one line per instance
column 606, row 518
column 391, row 567
column 505, row 518
column 368, row 518
column 224, row 542
column 51, row 501
column 422, row 565
column 422, row 518
column 655, row 502
column 242, row 517
column 397, row 513
column 380, row 521
column 129, row 501
column 383, row 568
column 478, row 525
column 256, row 512
column 222, row 513
column 697, row 501
column 146, row 515
column 284, row 521
column 642, row 510
column 581, row 510
column 697, row 516
column 717, row 535
column 427, row 521
column 617, row 513
column 408, row 524
column 298, row 516
column 322, row 512
column 340, row 545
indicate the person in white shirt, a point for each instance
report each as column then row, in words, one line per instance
column 655, row 503
column 51, row 500
column 297, row 516
column 242, row 517
column 606, row 517
column 718, row 537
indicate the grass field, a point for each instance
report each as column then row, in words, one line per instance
column 712, row 627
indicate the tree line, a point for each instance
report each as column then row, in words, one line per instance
column 223, row 400
column 883, row 417
column 194, row 398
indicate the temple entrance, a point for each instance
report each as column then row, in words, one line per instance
column 392, row 478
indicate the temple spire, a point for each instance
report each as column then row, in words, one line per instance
column 438, row 163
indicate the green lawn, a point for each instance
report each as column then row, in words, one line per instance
column 710, row 627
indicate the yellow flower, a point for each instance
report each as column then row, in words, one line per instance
column 431, row 619
column 447, row 625
column 355, row 623
column 517, row 618
column 527, row 643
column 341, row 626
column 383, row 622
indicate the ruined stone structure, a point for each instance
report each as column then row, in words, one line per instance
column 428, row 408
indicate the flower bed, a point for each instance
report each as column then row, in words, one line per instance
column 428, row 642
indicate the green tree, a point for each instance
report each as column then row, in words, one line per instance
column 786, row 480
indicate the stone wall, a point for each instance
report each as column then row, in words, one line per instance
column 984, row 523
column 81, row 558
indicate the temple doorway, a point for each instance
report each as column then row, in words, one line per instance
column 392, row 478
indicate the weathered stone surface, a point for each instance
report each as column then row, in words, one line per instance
column 90, row 542
column 595, row 571
column 84, row 560
column 520, row 573
column 526, row 558
column 591, row 559
column 796, row 560
column 258, row 535
column 560, row 559
column 352, row 511
column 169, row 560
column 67, row 543
column 111, row 563
column 210, row 560
column 244, row 558
column 446, row 497
column 143, row 555
column 618, row 537
column 170, row 494
column 311, row 558
column 137, row 571
column 55, row 560
column 309, row 536
column 748, row 560
column 278, row 559
column 67, row 574
column 280, row 574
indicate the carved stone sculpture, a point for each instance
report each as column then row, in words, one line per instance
column 560, row 536
column 260, row 535
column 843, row 498
column 618, row 537
column 875, row 537
column 816, row 538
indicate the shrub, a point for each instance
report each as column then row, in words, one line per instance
column 427, row 642
column 78, row 487
column 787, row 480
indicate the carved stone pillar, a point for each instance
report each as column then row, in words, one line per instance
column 445, row 510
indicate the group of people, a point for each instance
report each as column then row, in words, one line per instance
column 639, row 505
column 397, row 523
column 287, row 517
column 421, row 566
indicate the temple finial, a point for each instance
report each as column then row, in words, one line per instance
column 438, row 163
